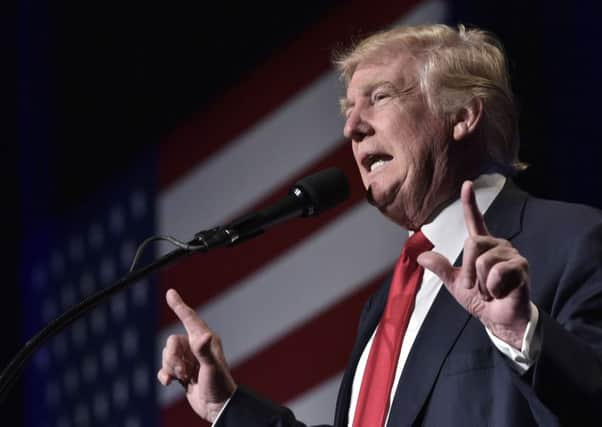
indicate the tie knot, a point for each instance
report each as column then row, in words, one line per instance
column 416, row 244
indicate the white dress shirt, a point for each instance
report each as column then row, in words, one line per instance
column 447, row 232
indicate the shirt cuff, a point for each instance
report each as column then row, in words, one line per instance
column 525, row 358
column 219, row 414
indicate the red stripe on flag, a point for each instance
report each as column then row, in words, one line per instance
column 270, row 84
column 301, row 360
column 216, row 271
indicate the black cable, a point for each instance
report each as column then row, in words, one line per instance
column 182, row 245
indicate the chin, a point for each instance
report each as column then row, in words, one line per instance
column 381, row 196
column 390, row 203
column 408, row 210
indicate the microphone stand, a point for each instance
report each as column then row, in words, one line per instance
column 14, row 368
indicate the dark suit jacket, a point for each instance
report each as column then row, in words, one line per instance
column 454, row 375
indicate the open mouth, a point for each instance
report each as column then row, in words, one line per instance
column 373, row 162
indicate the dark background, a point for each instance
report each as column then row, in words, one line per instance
column 96, row 83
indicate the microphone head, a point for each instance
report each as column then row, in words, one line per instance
column 322, row 190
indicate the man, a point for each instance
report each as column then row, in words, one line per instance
column 508, row 335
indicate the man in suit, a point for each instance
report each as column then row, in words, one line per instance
column 504, row 323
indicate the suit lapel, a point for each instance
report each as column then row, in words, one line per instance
column 440, row 330
column 446, row 320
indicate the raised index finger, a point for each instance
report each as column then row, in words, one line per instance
column 192, row 323
column 475, row 224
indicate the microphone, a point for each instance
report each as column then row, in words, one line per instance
column 309, row 196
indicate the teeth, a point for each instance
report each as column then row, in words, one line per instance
column 377, row 164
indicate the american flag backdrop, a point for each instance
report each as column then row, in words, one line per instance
column 285, row 304
column 99, row 371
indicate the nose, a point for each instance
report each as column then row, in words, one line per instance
column 356, row 127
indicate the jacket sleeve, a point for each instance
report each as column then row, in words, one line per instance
column 566, row 379
column 250, row 410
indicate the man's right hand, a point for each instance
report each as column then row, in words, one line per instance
column 197, row 361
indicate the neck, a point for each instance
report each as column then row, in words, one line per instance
column 445, row 190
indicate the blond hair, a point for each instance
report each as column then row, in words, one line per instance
column 456, row 66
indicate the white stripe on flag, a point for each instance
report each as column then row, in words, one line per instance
column 285, row 142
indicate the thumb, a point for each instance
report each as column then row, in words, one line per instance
column 439, row 265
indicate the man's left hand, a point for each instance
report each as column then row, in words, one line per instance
column 493, row 281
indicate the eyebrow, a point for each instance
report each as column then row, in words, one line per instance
column 345, row 103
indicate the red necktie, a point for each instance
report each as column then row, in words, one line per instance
column 373, row 401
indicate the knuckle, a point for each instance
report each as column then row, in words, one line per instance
column 163, row 377
column 496, row 274
column 169, row 353
column 511, row 252
column 479, row 239
column 481, row 263
column 504, row 242
column 507, row 275
column 488, row 242
column 172, row 341
column 169, row 361
column 178, row 370
column 482, row 243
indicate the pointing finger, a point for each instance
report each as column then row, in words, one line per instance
column 193, row 324
column 475, row 224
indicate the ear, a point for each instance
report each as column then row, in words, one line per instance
column 467, row 119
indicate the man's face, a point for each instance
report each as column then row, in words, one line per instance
column 399, row 145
